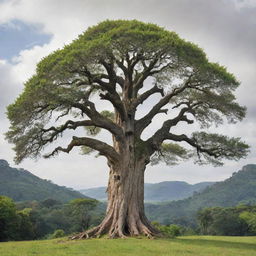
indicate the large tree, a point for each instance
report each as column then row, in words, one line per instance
column 123, row 64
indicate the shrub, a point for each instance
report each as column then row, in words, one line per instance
column 58, row 233
column 170, row 231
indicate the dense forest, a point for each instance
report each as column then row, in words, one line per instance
column 228, row 221
column 52, row 219
column 46, row 219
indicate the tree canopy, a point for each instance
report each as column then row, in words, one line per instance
column 102, row 61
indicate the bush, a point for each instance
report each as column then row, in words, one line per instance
column 170, row 231
column 250, row 219
column 58, row 233
column 174, row 230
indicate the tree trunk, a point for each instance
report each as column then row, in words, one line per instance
column 125, row 215
column 125, row 212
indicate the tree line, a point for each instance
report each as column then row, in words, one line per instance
column 34, row 220
column 228, row 221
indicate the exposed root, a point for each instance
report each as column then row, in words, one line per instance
column 115, row 232
column 86, row 234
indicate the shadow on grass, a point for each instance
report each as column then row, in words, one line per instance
column 217, row 243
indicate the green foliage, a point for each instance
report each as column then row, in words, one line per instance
column 46, row 219
column 25, row 227
column 81, row 210
column 49, row 203
column 108, row 114
column 170, row 153
column 170, row 231
column 227, row 221
column 238, row 189
column 86, row 150
column 14, row 224
column 57, row 234
column 92, row 130
column 8, row 218
column 250, row 219
column 224, row 147
column 66, row 81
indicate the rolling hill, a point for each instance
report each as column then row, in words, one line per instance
column 238, row 189
column 157, row 192
column 21, row 185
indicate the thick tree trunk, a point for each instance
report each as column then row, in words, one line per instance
column 125, row 215
column 125, row 212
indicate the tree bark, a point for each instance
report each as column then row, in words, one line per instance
column 125, row 214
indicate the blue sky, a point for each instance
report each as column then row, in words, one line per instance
column 30, row 30
column 17, row 36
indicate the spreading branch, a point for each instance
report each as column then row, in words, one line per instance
column 99, row 120
column 54, row 131
column 213, row 145
column 144, row 96
column 142, row 123
column 103, row 148
column 109, row 88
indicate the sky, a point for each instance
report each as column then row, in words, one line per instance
column 32, row 29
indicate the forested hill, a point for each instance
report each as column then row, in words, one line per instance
column 238, row 189
column 21, row 185
column 157, row 192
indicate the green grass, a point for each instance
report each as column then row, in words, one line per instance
column 182, row 246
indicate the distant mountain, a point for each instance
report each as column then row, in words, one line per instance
column 21, row 185
column 172, row 190
column 238, row 189
column 157, row 192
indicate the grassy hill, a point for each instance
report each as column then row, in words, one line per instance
column 185, row 246
column 21, row 185
column 157, row 192
column 238, row 189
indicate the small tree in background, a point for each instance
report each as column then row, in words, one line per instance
column 81, row 209
column 250, row 219
column 123, row 64
column 8, row 219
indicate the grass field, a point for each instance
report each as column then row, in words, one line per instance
column 182, row 246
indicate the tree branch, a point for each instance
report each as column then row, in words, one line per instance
column 160, row 135
column 193, row 143
column 142, row 123
column 112, row 76
column 103, row 148
column 147, row 94
column 213, row 147
column 116, row 102
column 138, row 83
column 68, row 125
column 109, row 87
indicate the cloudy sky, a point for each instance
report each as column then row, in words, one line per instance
column 31, row 29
